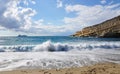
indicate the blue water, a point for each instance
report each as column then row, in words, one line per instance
column 34, row 40
column 56, row 43
column 47, row 52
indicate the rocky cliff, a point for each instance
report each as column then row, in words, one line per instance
column 109, row 28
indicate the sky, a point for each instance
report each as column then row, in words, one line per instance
column 53, row 17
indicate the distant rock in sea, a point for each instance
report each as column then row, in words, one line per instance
column 22, row 35
column 107, row 29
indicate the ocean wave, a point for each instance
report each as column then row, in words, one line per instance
column 55, row 47
column 16, row 48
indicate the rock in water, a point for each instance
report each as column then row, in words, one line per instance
column 108, row 29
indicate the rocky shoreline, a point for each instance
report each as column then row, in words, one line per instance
column 107, row 29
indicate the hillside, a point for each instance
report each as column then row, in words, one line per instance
column 109, row 28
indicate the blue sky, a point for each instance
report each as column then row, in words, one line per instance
column 53, row 17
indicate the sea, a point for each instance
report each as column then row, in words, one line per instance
column 56, row 52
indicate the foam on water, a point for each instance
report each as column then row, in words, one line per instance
column 51, row 60
column 49, row 46
column 58, row 55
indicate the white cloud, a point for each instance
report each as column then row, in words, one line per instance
column 113, row 6
column 2, row 28
column 26, row 2
column 59, row 3
column 15, row 17
column 111, row 2
column 49, row 28
column 90, row 15
column 103, row 1
column 33, row 1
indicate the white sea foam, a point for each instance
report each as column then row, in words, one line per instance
column 49, row 46
column 71, row 55
column 49, row 60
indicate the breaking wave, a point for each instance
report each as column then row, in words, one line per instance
column 55, row 47
column 17, row 57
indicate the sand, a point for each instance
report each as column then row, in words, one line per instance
column 103, row 68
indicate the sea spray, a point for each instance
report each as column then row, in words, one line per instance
column 50, row 46
column 49, row 52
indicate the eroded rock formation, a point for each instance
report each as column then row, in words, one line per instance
column 109, row 28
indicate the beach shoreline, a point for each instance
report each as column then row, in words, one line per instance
column 100, row 68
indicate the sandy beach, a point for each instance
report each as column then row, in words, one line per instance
column 102, row 68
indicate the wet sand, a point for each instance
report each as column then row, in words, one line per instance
column 101, row 68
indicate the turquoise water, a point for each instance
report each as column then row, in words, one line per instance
column 34, row 40
column 56, row 43
column 51, row 52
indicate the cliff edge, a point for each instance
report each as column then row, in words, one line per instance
column 109, row 28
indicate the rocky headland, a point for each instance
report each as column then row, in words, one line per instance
column 108, row 29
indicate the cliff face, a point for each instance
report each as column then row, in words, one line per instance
column 109, row 28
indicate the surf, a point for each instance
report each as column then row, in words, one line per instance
column 50, row 46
